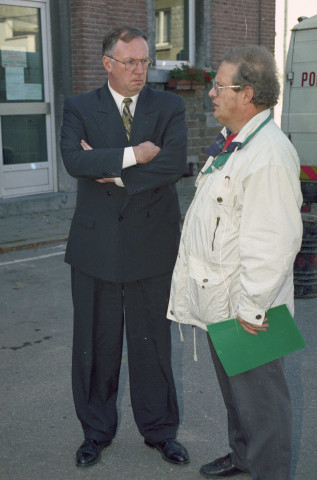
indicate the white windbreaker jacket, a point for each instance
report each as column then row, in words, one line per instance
column 241, row 233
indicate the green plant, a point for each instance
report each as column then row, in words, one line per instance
column 186, row 72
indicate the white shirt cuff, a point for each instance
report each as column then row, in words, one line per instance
column 128, row 158
column 118, row 182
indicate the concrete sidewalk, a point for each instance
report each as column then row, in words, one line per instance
column 52, row 226
column 36, row 229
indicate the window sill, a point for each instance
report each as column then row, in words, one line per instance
column 157, row 75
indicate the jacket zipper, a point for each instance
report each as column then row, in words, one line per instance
column 213, row 240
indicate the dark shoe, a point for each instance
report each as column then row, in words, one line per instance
column 89, row 452
column 222, row 467
column 171, row 450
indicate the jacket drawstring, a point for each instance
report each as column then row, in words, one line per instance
column 195, row 342
column 180, row 332
column 195, row 345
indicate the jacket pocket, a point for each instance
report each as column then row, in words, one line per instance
column 85, row 220
column 214, row 234
column 208, row 291
column 224, row 192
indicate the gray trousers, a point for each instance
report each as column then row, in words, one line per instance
column 259, row 419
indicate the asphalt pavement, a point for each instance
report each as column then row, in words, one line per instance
column 39, row 429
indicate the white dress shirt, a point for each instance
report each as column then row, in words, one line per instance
column 128, row 155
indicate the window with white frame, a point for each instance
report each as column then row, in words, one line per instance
column 175, row 32
column 163, row 28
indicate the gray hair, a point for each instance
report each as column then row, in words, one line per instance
column 257, row 69
column 124, row 33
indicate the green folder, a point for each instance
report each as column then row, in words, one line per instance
column 240, row 351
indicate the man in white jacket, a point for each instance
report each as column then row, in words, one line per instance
column 239, row 241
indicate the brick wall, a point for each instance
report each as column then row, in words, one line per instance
column 241, row 22
column 233, row 22
column 200, row 136
column 90, row 19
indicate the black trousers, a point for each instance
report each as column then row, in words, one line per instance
column 100, row 310
column 259, row 419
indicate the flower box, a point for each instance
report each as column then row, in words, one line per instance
column 185, row 77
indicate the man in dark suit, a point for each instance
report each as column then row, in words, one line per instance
column 126, row 145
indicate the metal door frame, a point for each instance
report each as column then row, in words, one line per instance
column 46, row 107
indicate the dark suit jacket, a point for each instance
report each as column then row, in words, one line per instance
column 124, row 234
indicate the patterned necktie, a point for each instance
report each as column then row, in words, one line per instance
column 127, row 117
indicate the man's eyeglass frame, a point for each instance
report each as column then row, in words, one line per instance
column 218, row 87
column 132, row 63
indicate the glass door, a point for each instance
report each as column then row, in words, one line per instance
column 26, row 140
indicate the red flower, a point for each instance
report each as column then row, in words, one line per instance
column 191, row 73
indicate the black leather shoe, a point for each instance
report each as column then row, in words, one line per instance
column 222, row 467
column 171, row 450
column 89, row 452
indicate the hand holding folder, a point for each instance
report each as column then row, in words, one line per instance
column 240, row 351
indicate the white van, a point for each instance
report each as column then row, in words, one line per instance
column 299, row 115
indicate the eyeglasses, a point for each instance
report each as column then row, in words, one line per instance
column 132, row 63
column 218, row 87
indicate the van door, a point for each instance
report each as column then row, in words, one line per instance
column 299, row 117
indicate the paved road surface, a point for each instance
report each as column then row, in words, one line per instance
column 39, row 429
